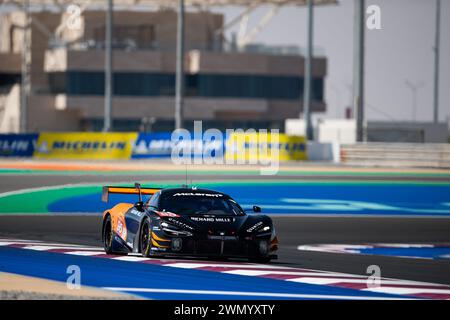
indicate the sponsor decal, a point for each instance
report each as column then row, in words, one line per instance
column 17, row 145
column 179, row 224
column 136, row 212
column 212, row 219
column 188, row 194
column 121, row 229
column 91, row 145
column 254, row 227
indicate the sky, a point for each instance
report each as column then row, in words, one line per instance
column 400, row 51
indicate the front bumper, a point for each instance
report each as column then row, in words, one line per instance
column 216, row 246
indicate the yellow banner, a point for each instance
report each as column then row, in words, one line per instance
column 89, row 145
column 250, row 147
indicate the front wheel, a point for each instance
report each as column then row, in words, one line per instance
column 145, row 239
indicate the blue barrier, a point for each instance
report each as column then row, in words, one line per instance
column 160, row 145
column 18, row 145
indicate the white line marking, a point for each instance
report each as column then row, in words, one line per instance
column 83, row 253
column 188, row 265
column 327, row 281
column 131, row 258
column 406, row 291
column 256, row 294
column 7, row 242
column 294, row 273
column 47, row 248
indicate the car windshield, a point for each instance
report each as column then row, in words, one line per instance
column 191, row 204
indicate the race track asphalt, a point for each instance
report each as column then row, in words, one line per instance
column 292, row 231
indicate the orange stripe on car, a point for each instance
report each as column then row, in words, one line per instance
column 154, row 236
column 156, row 244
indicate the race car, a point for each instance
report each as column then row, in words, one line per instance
column 186, row 221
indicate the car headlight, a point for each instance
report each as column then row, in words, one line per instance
column 166, row 225
column 173, row 230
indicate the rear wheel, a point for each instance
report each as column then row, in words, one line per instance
column 107, row 235
column 145, row 239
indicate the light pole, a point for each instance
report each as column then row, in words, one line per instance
column 179, row 86
column 358, row 67
column 414, row 91
column 25, row 72
column 436, row 62
column 308, row 74
column 108, row 68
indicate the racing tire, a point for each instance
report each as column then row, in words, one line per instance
column 145, row 239
column 107, row 235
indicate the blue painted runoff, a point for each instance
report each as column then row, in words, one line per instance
column 291, row 198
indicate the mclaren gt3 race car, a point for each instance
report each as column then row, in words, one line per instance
column 186, row 221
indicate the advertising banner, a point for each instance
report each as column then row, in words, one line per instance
column 152, row 145
column 89, row 145
column 17, row 145
column 248, row 147
column 160, row 145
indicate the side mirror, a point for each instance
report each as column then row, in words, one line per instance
column 139, row 205
column 256, row 209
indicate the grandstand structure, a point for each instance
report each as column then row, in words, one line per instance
column 52, row 58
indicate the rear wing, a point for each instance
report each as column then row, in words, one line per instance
column 127, row 190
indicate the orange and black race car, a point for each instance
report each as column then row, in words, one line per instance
column 186, row 221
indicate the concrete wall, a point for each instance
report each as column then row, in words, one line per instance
column 195, row 108
column 10, row 110
column 420, row 132
column 325, row 130
column 10, row 63
column 249, row 63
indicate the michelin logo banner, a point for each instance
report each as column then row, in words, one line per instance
column 254, row 146
column 17, row 145
column 90, row 145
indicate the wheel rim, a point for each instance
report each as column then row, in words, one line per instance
column 144, row 237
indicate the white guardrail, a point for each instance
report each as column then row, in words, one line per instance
column 435, row 155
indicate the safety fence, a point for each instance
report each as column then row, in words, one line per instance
column 238, row 146
column 435, row 155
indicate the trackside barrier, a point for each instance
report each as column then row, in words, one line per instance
column 248, row 147
column 89, row 145
column 396, row 154
column 160, row 145
column 244, row 147
column 17, row 145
